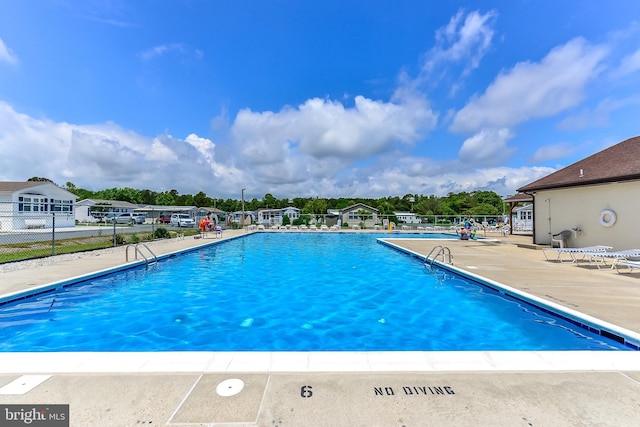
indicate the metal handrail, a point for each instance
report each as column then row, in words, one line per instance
column 138, row 251
column 443, row 251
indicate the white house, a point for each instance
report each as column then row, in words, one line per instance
column 359, row 213
column 236, row 217
column 407, row 217
column 275, row 216
column 523, row 218
column 92, row 210
column 596, row 198
column 35, row 204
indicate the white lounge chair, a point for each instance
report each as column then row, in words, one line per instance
column 574, row 252
column 313, row 227
column 627, row 263
column 600, row 258
column 324, row 227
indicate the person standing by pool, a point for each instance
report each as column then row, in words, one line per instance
column 468, row 224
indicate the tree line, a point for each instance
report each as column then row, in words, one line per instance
column 473, row 203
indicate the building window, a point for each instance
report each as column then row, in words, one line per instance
column 356, row 216
column 58, row 205
column 32, row 204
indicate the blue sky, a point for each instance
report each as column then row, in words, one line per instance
column 299, row 99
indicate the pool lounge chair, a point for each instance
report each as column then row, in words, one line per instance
column 626, row 263
column 574, row 252
column 600, row 258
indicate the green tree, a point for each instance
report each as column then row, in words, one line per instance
column 363, row 215
column 270, row 202
column 165, row 199
column 125, row 194
column 185, row 200
column 201, row 200
column 317, row 207
column 488, row 197
column 484, row 209
column 428, row 206
column 80, row 192
column 148, row 197
column 384, row 207
column 342, row 203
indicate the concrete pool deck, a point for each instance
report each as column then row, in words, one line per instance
column 355, row 389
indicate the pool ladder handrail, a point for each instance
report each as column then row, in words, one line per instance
column 138, row 251
column 442, row 251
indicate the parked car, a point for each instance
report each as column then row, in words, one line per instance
column 164, row 219
column 182, row 220
column 123, row 218
column 139, row 218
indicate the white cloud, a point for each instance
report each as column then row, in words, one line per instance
column 599, row 116
column 441, row 178
column 533, row 90
column 98, row 156
column 553, row 151
column 322, row 137
column 629, row 64
column 104, row 155
column 6, row 55
column 221, row 122
column 467, row 38
column 162, row 50
column 487, row 148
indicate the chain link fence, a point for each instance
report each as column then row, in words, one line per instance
column 33, row 231
column 39, row 232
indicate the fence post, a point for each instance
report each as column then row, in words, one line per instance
column 114, row 232
column 53, row 235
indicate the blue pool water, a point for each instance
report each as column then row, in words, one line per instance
column 285, row 292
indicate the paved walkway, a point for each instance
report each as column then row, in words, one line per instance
column 355, row 389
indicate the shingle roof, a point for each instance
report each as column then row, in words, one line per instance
column 359, row 206
column 114, row 203
column 11, row 186
column 620, row 162
column 517, row 198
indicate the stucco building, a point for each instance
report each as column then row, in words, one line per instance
column 598, row 198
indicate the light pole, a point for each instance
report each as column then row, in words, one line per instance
column 243, row 207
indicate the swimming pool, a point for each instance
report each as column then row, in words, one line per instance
column 285, row 292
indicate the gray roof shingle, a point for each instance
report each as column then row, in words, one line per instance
column 620, row 162
column 11, row 186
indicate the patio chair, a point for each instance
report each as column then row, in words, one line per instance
column 561, row 238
